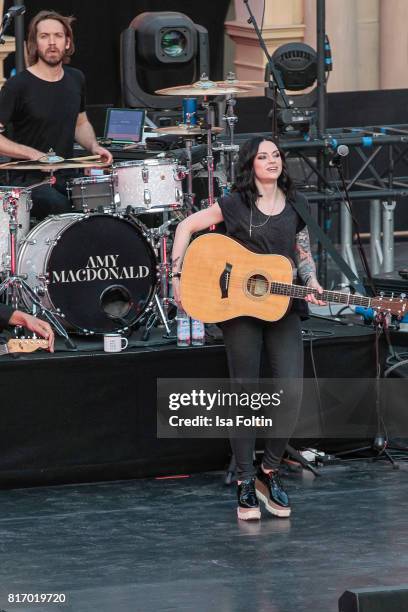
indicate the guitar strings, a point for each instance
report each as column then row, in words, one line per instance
column 297, row 291
column 300, row 291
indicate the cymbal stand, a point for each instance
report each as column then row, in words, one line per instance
column 15, row 288
column 158, row 238
column 231, row 119
column 189, row 196
column 231, row 148
column 210, row 157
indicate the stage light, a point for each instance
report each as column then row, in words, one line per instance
column 165, row 37
column 158, row 40
column 297, row 63
column 173, row 44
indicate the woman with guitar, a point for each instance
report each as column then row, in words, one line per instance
column 259, row 214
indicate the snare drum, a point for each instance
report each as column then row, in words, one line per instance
column 96, row 272
column 151, row 185
column 93, row 193
column 23, row 218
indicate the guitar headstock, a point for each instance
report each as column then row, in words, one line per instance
column 26, row 345
column 395, row 305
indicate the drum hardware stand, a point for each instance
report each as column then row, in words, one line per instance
column 14, row 286
column 158, row 236
column 231, row 119
column 158, row 239
column 189, row 196
column 210, row 157
column 230, row 149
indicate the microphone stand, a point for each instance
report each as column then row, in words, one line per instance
column 275, row 83
column 7, row 19
column 18, row 31
column 381, row 441
column 19, row 34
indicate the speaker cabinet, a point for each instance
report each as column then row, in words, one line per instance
column 380, row 599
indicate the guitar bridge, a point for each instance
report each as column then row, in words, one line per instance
column 225, row 280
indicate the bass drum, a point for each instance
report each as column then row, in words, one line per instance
column 96, row 272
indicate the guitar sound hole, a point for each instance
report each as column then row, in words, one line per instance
column 257, row 285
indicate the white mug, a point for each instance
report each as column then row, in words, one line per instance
column 112, row 343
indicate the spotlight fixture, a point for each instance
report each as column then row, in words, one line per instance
column 161, row 41
column 297, row 63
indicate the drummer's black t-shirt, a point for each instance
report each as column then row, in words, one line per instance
column 43, row 114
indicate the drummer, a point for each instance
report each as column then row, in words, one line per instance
column 45, row 107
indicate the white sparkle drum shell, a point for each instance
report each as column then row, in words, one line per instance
column 92, row 193
column 149, row 185
column 23, row 219
column 97, row 272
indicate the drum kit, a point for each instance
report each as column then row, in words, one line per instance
column 101, row 269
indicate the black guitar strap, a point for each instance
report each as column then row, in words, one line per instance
column 318, row 233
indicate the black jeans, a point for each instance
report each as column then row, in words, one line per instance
column 50, row 200
column 47, row 199
column 245, row 338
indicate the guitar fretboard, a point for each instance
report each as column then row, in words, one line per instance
column 298, row 291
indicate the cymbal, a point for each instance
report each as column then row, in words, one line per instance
column 200, row 88
column 184, row 130
column 249, row 84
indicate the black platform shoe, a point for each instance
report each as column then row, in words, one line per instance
column 270, row 491
column 248, row 505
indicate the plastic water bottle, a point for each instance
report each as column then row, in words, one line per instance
column 197, row 332
column 183, row 328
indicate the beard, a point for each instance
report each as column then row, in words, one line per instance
column 51, row 59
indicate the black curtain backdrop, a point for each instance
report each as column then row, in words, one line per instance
column 100, row 23
column 92, row 416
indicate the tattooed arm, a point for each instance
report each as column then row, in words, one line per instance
column 303, row 257
column 305, row 264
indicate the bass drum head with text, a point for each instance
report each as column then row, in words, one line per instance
column 101, row 272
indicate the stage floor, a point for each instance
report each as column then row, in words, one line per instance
column 176, row 545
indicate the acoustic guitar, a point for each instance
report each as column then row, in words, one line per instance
column 221, row 279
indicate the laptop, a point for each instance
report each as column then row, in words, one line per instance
column 124, row 125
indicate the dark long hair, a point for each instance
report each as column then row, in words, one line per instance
column 245, row 175
column 32, row 35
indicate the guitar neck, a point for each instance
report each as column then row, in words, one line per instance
column 335, row 297
column 23, row 345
